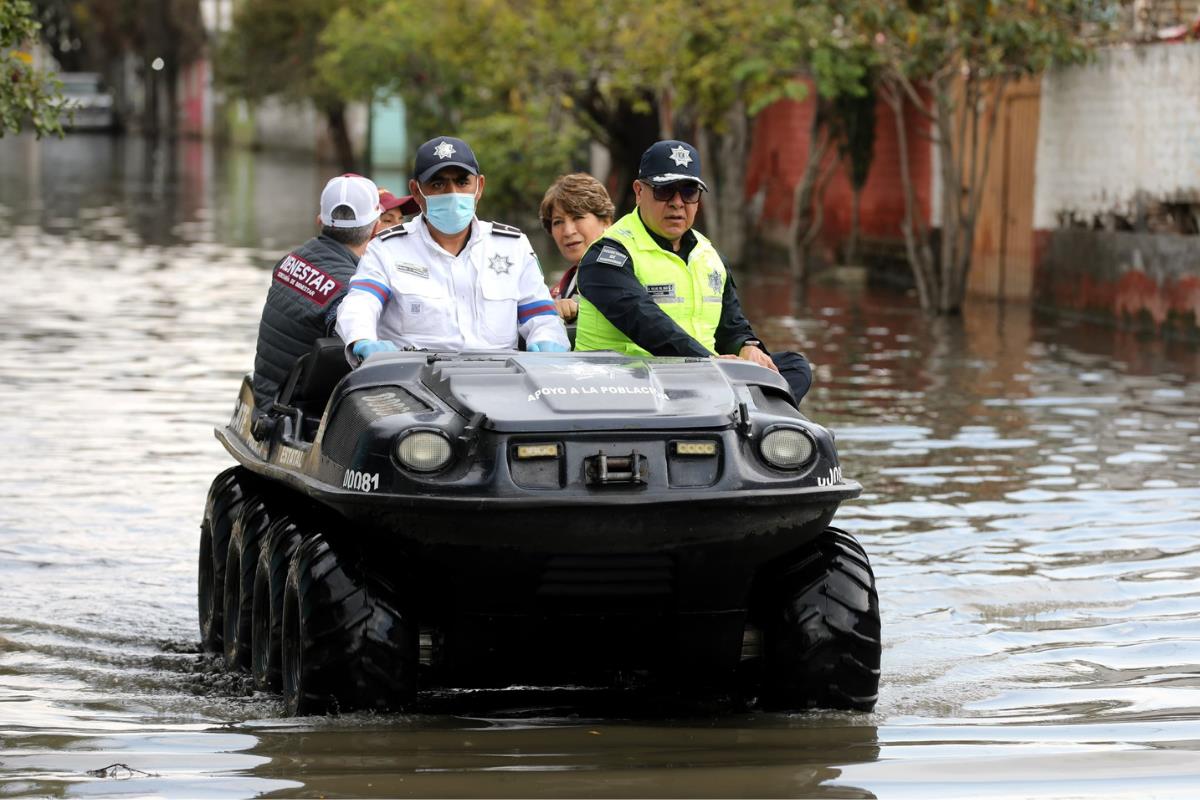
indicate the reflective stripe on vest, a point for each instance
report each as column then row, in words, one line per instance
column 690, row 294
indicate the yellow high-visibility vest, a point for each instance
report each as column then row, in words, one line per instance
column 688, row 292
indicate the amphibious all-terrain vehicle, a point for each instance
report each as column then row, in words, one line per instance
column 484, row 519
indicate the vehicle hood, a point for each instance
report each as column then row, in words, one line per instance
column 593, row 391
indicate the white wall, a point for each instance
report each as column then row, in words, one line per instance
column 1126, row 125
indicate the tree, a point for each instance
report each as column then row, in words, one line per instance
column 621, row 72
column 27, row 95
column 173, row 31
column 556, row 71
column 729, row 61
column 840, row 63
column 951, row 61
column 96, row 35
column 273, row 50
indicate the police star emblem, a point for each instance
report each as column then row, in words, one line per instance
column 714, row 281
column 681, row 156
column 444, row 150
column 500, row 264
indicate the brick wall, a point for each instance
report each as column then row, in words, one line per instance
column 780, row 150
column 1123, row 128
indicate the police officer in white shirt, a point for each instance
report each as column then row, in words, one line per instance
column 447, row 280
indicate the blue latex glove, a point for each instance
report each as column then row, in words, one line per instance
column 546, row 347
column 365, row 347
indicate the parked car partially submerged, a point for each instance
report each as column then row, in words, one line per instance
column 90, row 102
column 484, row 519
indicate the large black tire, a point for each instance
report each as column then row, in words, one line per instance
column 224, row 502
column 270, row 580
column 241, row 563
column 821, row 633
column 345, row 645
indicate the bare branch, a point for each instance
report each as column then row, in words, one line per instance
column 895, row 99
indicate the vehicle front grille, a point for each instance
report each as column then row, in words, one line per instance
column 358, row 410
column 616, row 580
column 443, row 371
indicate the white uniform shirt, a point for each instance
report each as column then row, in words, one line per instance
column 410, row 291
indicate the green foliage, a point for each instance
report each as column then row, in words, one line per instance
column 273, row 48
column 521, row 155
column 982, row 39
column 842, row 57
column 541, row 76
column 27, row 96
column 514, row 79
column 736, row 51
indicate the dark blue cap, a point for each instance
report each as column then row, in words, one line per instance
column 441, row 152
column 670, row 162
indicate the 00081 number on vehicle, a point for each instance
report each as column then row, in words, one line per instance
column 361, row 481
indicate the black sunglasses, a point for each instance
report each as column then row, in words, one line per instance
column 688, row 192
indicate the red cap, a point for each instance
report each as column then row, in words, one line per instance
column 388, row 201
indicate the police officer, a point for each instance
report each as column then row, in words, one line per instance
column 310, row 282
column 651, row 285
column 447, row 280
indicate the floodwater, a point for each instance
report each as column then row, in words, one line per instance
column 1031, row 507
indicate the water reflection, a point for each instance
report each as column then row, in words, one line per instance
column 1031, row 509
column 530, row 756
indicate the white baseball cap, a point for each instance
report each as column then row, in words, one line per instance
column 357, row 193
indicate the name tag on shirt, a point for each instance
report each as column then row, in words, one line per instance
column 663, row 293
column 413, row 269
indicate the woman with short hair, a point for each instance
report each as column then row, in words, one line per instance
column 575, row 211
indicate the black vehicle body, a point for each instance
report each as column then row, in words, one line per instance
column 597, row 515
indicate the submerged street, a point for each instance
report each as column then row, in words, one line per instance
column 1031, row 508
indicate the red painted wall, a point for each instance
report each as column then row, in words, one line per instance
column 193, row 86
column 780, row 148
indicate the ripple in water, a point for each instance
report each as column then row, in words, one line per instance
column 1031, row 507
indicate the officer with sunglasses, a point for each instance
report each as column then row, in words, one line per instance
column 651, row 285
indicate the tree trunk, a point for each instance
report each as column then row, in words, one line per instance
column 626, row 132
column 340, row 133
column 155, row 46
column 965, row 149
column 801, row 228
column 916, row 240
column 723, row 163
column 964, row 143
column 171, row 79
column 951, row 202
column 852, row 247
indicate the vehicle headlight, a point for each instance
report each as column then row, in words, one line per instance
column 786, row 448
column 423, row 451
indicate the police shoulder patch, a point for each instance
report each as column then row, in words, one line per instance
column 500, row 229
column 391, row 233
column 611, row 255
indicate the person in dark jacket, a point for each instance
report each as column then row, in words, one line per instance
column 309, row 283
column 653, row 285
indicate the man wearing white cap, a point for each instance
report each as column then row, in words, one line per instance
column 447, row 280
column 309, row 283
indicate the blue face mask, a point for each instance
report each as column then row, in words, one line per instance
column 449, row 213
